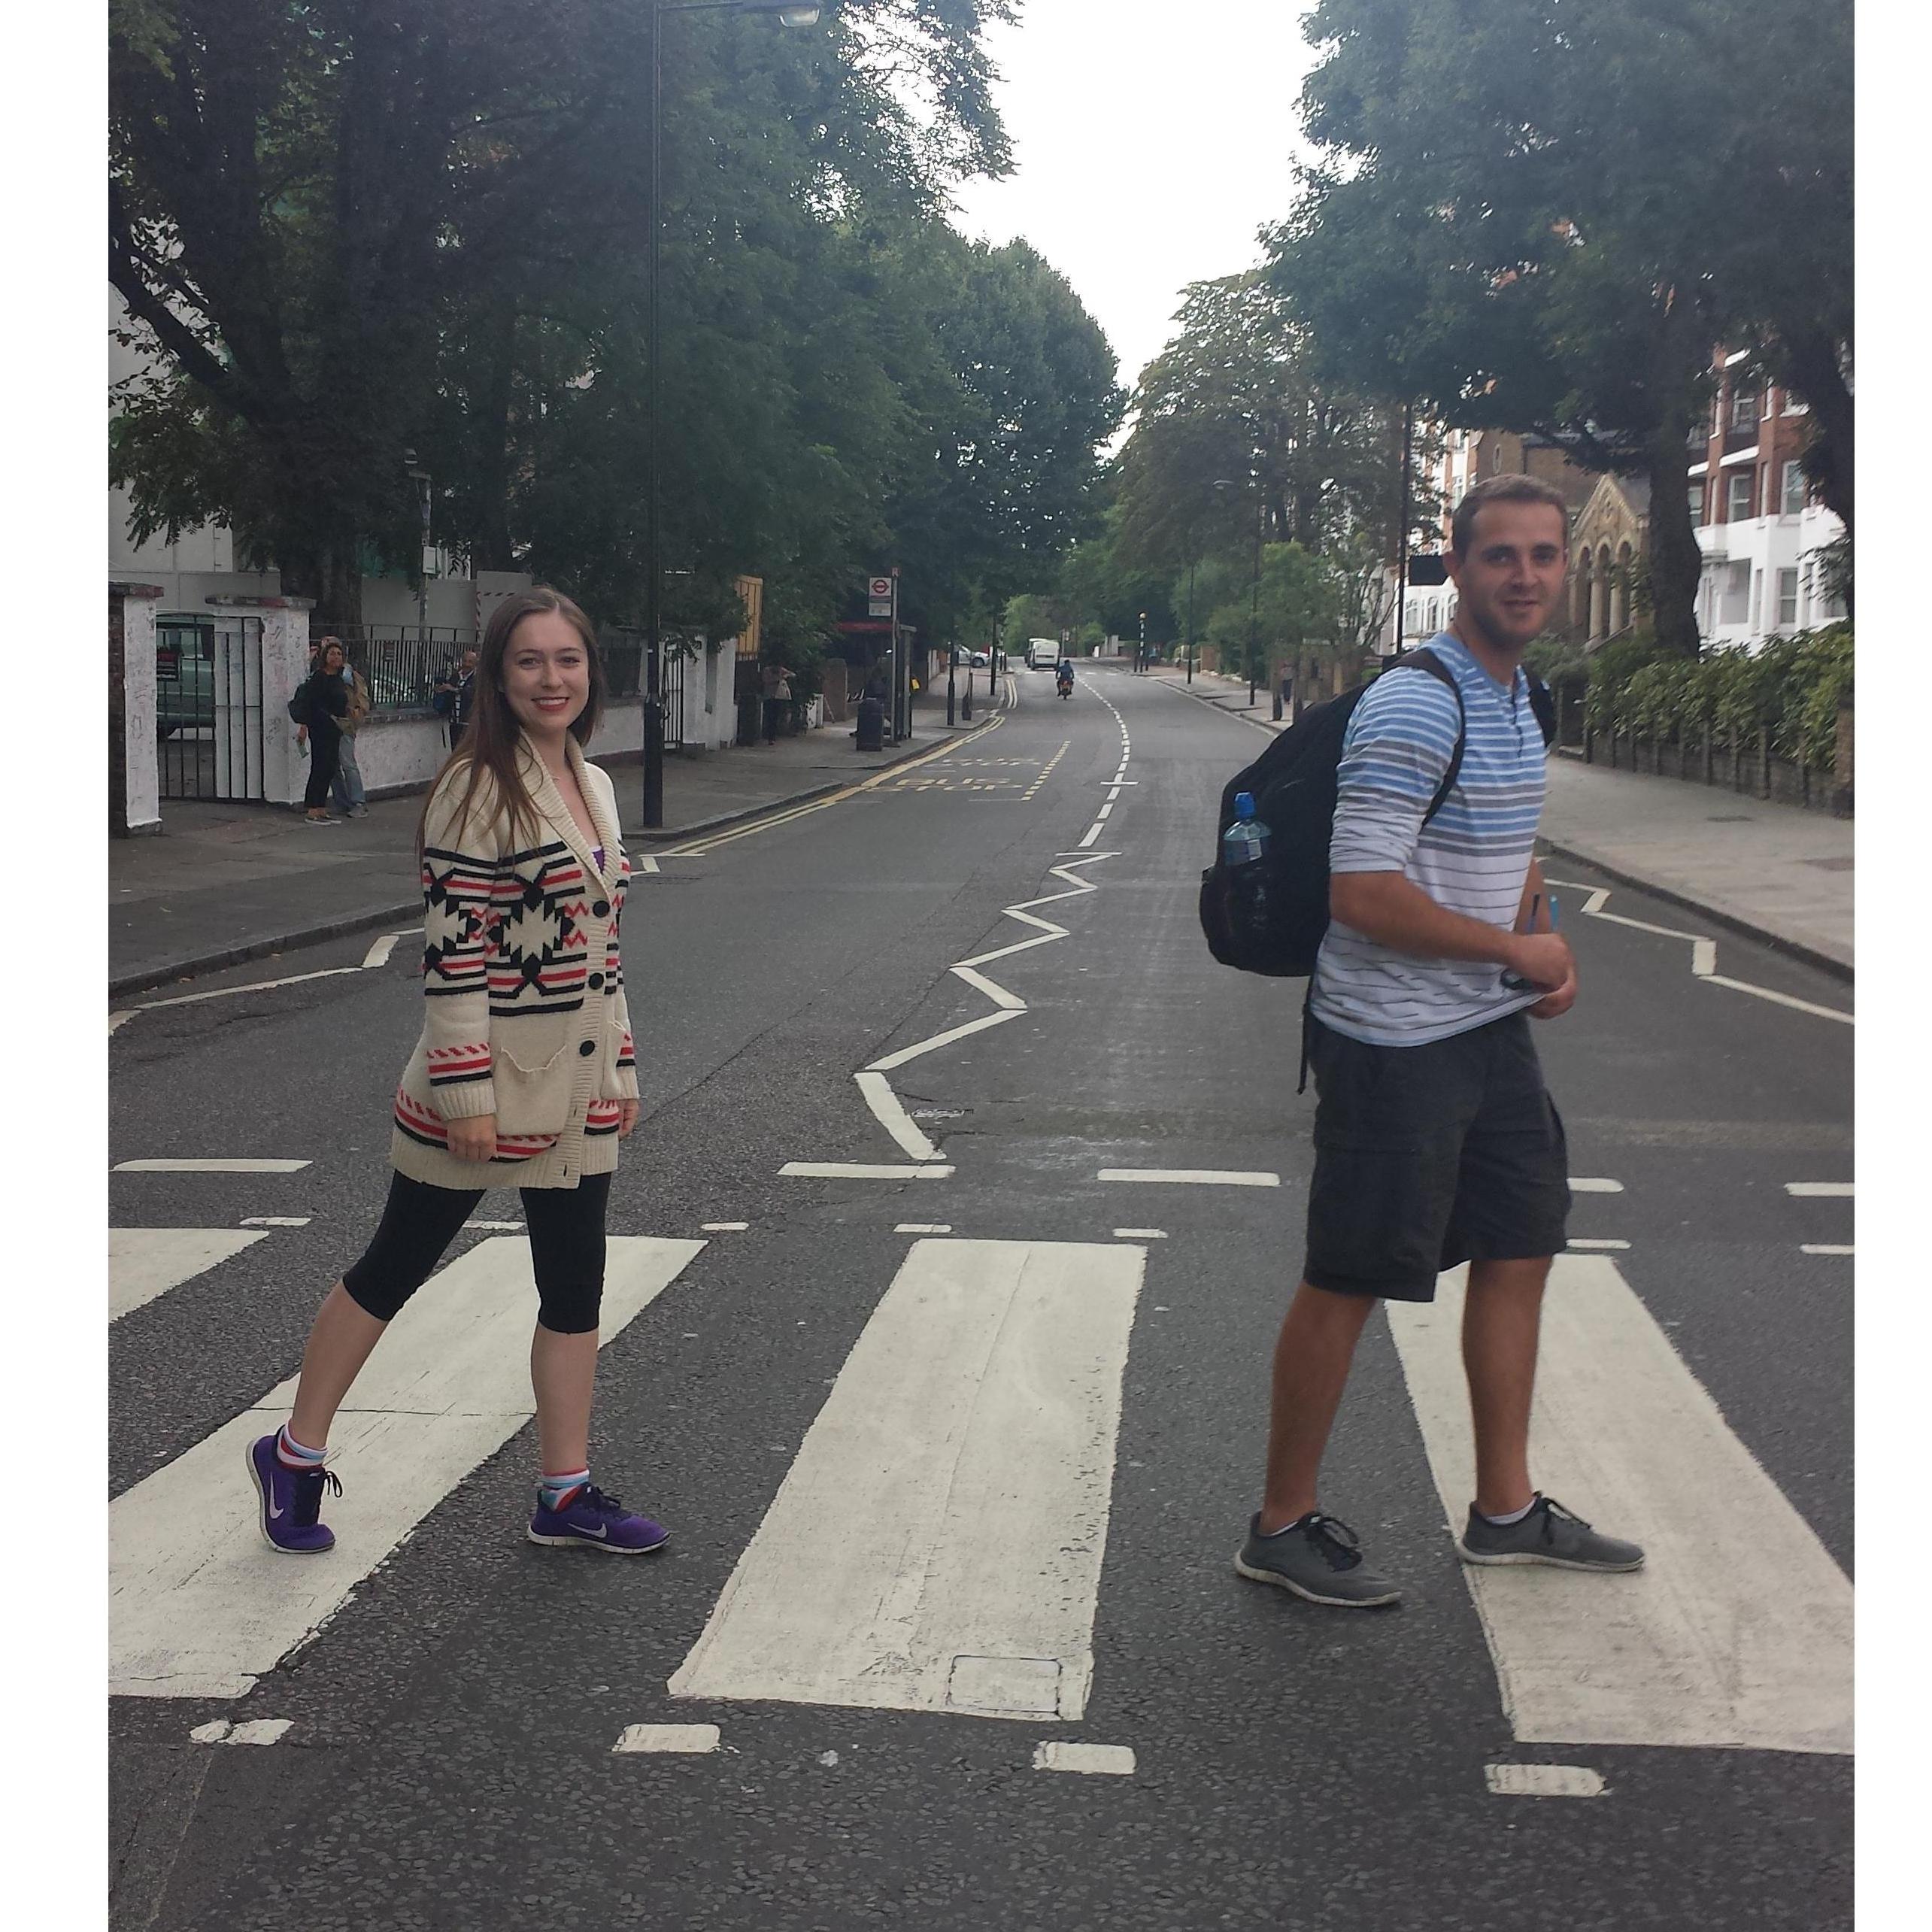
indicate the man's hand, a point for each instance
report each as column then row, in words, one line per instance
column 474, row 1138
column 627, row 1114
column 1560, row 1001
column 1543, row 958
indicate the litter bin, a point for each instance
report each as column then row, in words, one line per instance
column 871, row 725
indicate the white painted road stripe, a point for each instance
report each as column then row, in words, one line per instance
column 276, row 1220
column 1738, row 1630
column 998, row 995
column 1578, row 1185
column 257, row 1730
column 199, row 1606
column 1616, row 1245
column 380, row 950
column 923, row 1227
column 683, row 1737
column 1108, row 1761
column 862, row 1170
column 1784, row 1000
column 145, row 1262
column 1544, row 1781
column 1140, row 1234
column 1823, row 1248
column 890, row 1115
column 965, row 1453
column 945, row 1039
column 726, row 1227
column 1820, row 1190
column 209, row 1166
column 1199, row 1177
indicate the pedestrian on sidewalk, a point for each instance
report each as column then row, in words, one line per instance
column 524, row 1075
column 321, row 702
column 777, row 698
column 351, row 798
column 454, row 696
column 1435, row 1142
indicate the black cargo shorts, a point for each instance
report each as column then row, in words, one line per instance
column 1426, row 1156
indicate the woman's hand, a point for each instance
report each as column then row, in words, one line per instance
column 474, row 1138
column 302, row 734
column 627, row 1114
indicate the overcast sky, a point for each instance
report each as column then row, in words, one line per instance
column 1150, row 142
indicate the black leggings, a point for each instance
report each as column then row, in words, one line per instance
column 324, row 747
column 566, row 1228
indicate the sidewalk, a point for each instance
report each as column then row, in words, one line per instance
column 1777, row 873
column 226, row 883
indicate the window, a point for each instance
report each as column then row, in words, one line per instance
column 1794, row 502
column 1697, row 499
column 1737, row 498
column 1736, row 608
column 1744, row 409
column 1787, row 597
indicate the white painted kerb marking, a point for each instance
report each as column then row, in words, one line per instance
column 966, row 1453
column 145, row 1262
column 1197, row 1177
column 1544, row 1781
column 209, row 1166
column 1109, row 1760
column 684, row 1737
column 200, row 1607
column 1738, row 1633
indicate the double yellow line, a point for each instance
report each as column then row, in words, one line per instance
column 698, row 847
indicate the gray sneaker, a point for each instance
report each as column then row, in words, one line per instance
column 1550, row 1533
column 1319, row 1557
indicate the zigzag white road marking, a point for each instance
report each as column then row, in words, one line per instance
column 377, row 957
column 1703, row 953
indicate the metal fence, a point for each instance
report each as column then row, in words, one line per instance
column 208, row 707
column 402, row 663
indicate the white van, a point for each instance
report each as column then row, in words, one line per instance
column 1042, row 652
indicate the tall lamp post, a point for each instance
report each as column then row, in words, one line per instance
column 654, row 706
column 420, row 477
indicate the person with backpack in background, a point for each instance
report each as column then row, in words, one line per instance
column 318, row 707
column 351, row 798
column 1435, row 1141
column 453, row 696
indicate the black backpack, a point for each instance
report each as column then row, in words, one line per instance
column 1268, row 916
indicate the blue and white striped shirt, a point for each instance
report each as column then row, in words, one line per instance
column 1473, row 857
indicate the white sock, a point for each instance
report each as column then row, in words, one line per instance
column 1515, row 1516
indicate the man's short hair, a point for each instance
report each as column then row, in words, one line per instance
column 1514, row 488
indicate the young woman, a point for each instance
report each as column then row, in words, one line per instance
column 323, row 700
column 524, row 1075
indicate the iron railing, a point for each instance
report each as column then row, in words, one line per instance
column 402, row 663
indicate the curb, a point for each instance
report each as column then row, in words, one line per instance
column 148, row 978
column 1778, row 942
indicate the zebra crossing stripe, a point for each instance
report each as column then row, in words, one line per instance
column 200, row 1607
column 1738, row 1630
column 965, row 1454
column 144, row 1263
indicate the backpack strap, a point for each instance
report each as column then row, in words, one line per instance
column 1424, row 659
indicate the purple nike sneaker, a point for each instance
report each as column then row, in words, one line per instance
column 291, row 1501
column 599, row 1522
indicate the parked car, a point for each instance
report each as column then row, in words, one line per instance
column 978, row 660
column 183, row 675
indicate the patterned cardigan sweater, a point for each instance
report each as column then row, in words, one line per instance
column 524, row 1014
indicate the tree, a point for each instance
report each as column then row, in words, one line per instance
column 1517, row 219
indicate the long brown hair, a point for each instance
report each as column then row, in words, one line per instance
column 491, row 738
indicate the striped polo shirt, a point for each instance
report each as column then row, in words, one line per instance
column 1473, row 857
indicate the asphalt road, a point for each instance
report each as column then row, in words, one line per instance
column 448, row 1760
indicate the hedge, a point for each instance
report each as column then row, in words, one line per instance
column 1793, row 685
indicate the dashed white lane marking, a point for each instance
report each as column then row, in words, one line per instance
column 1140, row 1234
column 1737, row 1634
column 199, row 1606
column 964, row 1452
column 1108, row 1760
column 256, row 1731
column 1821, row 1189
column 379, row 951
column 678, row 1737
column 1614, row 1245
column 1825, row 1248
column 724, row 1226
column 276, row 1220
column 1046, row 770
column 1578, row 1184
column 893, row 1117
column 1092, row 835
column 209, row 1166
column 923, row 1227
column 862, row 1170
column 1544, row 1781
column 1197, row 1177
column 144, row 1263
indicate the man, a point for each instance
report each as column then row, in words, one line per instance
column 454, row 695
column 1435, row 1142
column 351, row 796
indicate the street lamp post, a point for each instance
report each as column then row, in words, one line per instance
column 1224, row 484
column 654, row 703
column 420, row 477
column 952, row 659
column 1190, row 620
column 1140, row 658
